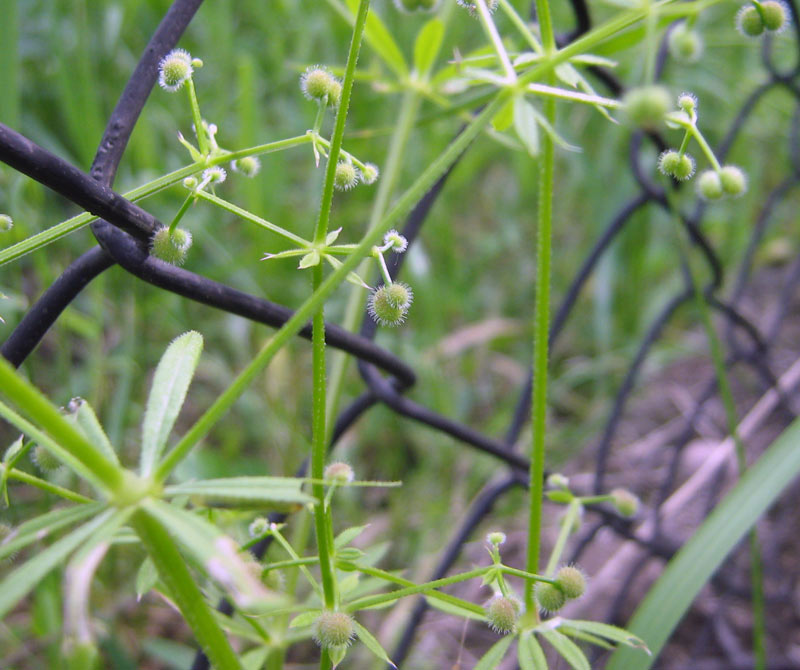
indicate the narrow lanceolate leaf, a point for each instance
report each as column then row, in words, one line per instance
column 491, row 659
column 45, row 525
column 526, row 125
column 427, row 45
column 567, row 649
column 668, row 600
column 305, row 619
column 371, row 643
column 10, row 458
column 170, row 383
column 20, row 581
column 244, row 491
column 81, row 412
column 348, row 535
column 530, row 654
column 612, row 633
column 217, row 554
column 146, row 577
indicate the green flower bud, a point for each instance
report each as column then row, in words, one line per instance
column 550, row 597
column 333, row 629
column 503, row 613
column 346, row 176
column 688, row 103
column 339, row 472
column 733, row 179
column 673, row 164
column 171, row 248
column 369, row 174
column 174, row 70
column 389, row 305
column 496, row 538
column 572, row 581
column 6, row 223
column 646, row 106
column 399, row 242
column 258, row 527
column 626, row 503
column 709, row 185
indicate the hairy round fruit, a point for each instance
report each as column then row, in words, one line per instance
column 317, row 82
column 673, row 164
column 502, row 613
column 388, row 305
column 174, row 70
column 685, row 45
column 171, row 248
column 733, row 179
column 44, row 460
column 626, row 503
column 775, row 15
column 333, row 629
column 749, row 22
column 339, row 472
column 709, row 185
column 572, row 581
column 549, row 597
column 346, row 176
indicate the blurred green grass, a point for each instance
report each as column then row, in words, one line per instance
column 62, row 66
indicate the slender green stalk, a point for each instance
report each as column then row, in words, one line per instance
column 732, row 422
column 436, row 595
column 184, row 590
column 319, row 434
column 44, row 485
column 561, row 542
column 494, row 37
column 541, row 325
column 373, row 601
column 199, row 131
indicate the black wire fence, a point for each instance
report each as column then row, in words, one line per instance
column 124, row 229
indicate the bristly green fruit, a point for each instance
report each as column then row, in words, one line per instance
column 44, row 460
column 249, row 166
column 333, row 629
column 339, row 472
column 388, row 305
column 646, row 106
column 502, row 614
column 318, row 82
column 626, row 503
column 346, row 176
column 572, row 581
column 6, row 223
column 171, row 248
column 775, row 15
column 674, row 164
column 550, row 598
column 733, row 179
column 709, row 185
column 174, row 70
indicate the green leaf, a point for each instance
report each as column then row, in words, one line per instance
column 613, row 633
column 331, row 237
column 244, row 491
column 255, row 658
column 568, row 650
column 427, row 45
column 348, row 535
column 568, row 74
column 81, row 412
column 45, row 525
column 530, row 654
column 526, row 125
column 19, row 582
column 504, row 118
column 545, row 124
column 371, row 643
column 217, row 554
column 305, row 619
column 669, row 599
column 146, row 577
column 170, row 383
column 559, row 496
column 381, row 41
column 491, row 659
column 311, row 259
column 10, row 458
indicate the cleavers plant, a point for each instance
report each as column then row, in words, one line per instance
column 512, row 84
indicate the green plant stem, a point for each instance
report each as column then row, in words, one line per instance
column 104, row 474
column 521, row 26
column 179, row 215
column 373, row 601
column 389, row 577
column 184, row 590
column 319, row 434
column 44, row 485
column 497, row 44
column 732, row 422
column 541, row 325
